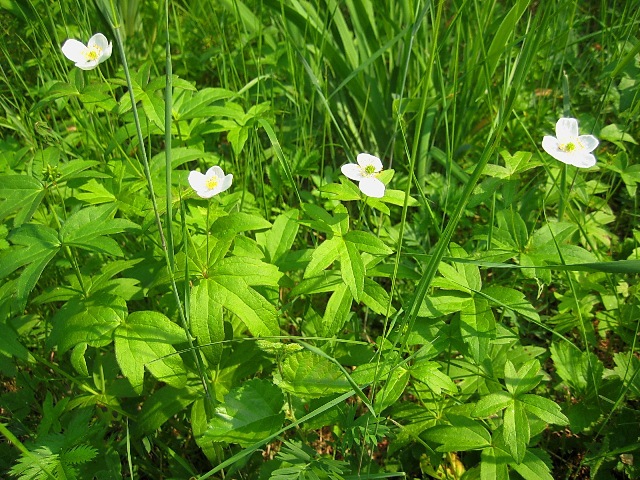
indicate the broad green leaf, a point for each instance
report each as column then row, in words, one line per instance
column 323, row 256
column 197, row 106
column 248, row 414
column 477, row 328
column 526, row 378
column 162, row 405
column 337, row 311
column 492, row 403
column 394, row 386
column 368, row 242
column 430, row 374
column 206, row 320
column 516, row 430
column 532, row 467
column 493, row 464
column 145, row 339
column 90, row 321
column 575, row 367
column 511, row 299
column 86, row 229
column 256, row 312
column 352, row 269
column 544, row 408
column 307, row 375
column 20, row 192
column 283, row 233
column 250, row 270
column 377, row 298
column 95, row 194
column 627, row 369
column 441, row 304
column 237, row 222
column 465, row 435
column 78, row 361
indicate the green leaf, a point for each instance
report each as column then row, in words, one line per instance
column 197, row 106
column 22, row 193
column 310, row 376
column 323, row 256
column 238, row 222
column 206, row 320
column 516, row 430
column 232, row 289
column 544, row 408
column 477, row 328
column 532, row 467
column 352, row 269
column 90, row 321
column 87, row 227
column 145, row 340
column 430, row 374
column 162, row 405
column 492, row 403
column 248, row 414
column 394, row 386
column 376, row 298
column 511, row 299
column 526, row 378
column 576, row 367
column 337, row 311
column 441, row 304
column 280, row 238
column 368, row 242
column 463, row 435
column 493, row 464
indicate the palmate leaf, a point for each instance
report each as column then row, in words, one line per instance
column 249, row 414
column 230, row 283
column 310, row 376
column 145, row 340
column 22, row 193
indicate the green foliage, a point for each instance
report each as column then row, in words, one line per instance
column 479, row 320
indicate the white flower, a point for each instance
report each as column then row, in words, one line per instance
column 89, row 56
column 366, row 174
column 569, row 147
column 211, row 183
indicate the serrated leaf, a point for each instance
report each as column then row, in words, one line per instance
column 323, row 256
column 544, row 408
column 532, row 467
column 162, row 405
column 337, row 311
column 478, row 328
column 463, row 437
column 20, row 192
column 511, row 299
column 394, row 386
column 492, row 403
column 238, row 222
column 524, row 379
column 283, row 233
column 248, row 414
column 516, row 430
column 441, row 304
column 77, row 359
column 352, row 269
column 206, row 320
column 310, row 376
column 145, row 340
column 376, row 298
column 368, row 242
column 494, row 464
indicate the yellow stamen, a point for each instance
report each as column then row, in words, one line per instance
column 211, row 182
column 93, row 53
column 568, row 147
column 369, row 170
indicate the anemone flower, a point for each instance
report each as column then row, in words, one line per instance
column 569, row 147
column 365, row 172
column 211, row 183
column 89, row 56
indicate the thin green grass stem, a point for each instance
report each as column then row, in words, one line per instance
column 168, row 102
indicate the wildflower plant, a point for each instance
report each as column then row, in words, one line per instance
column 458, row 322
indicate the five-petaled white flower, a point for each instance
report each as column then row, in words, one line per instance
column 211, row 183
column 89, row 56
column 569, row 147
column 366, row 174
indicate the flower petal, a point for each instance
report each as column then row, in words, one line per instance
column 226, row 182
column 567, row 130
column 551, row 146
column 583, row 160
column 74, row 50
column 215, row 171
column 87, row 64
column 197, row 181
column 588, row 142
column 372, row 187
column 352, row 171
column 98, row 40
column 365, row 159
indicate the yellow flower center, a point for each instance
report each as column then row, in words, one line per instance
column 93, row 53
column 369, row 170
column 211, row 182
column 568, row 147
